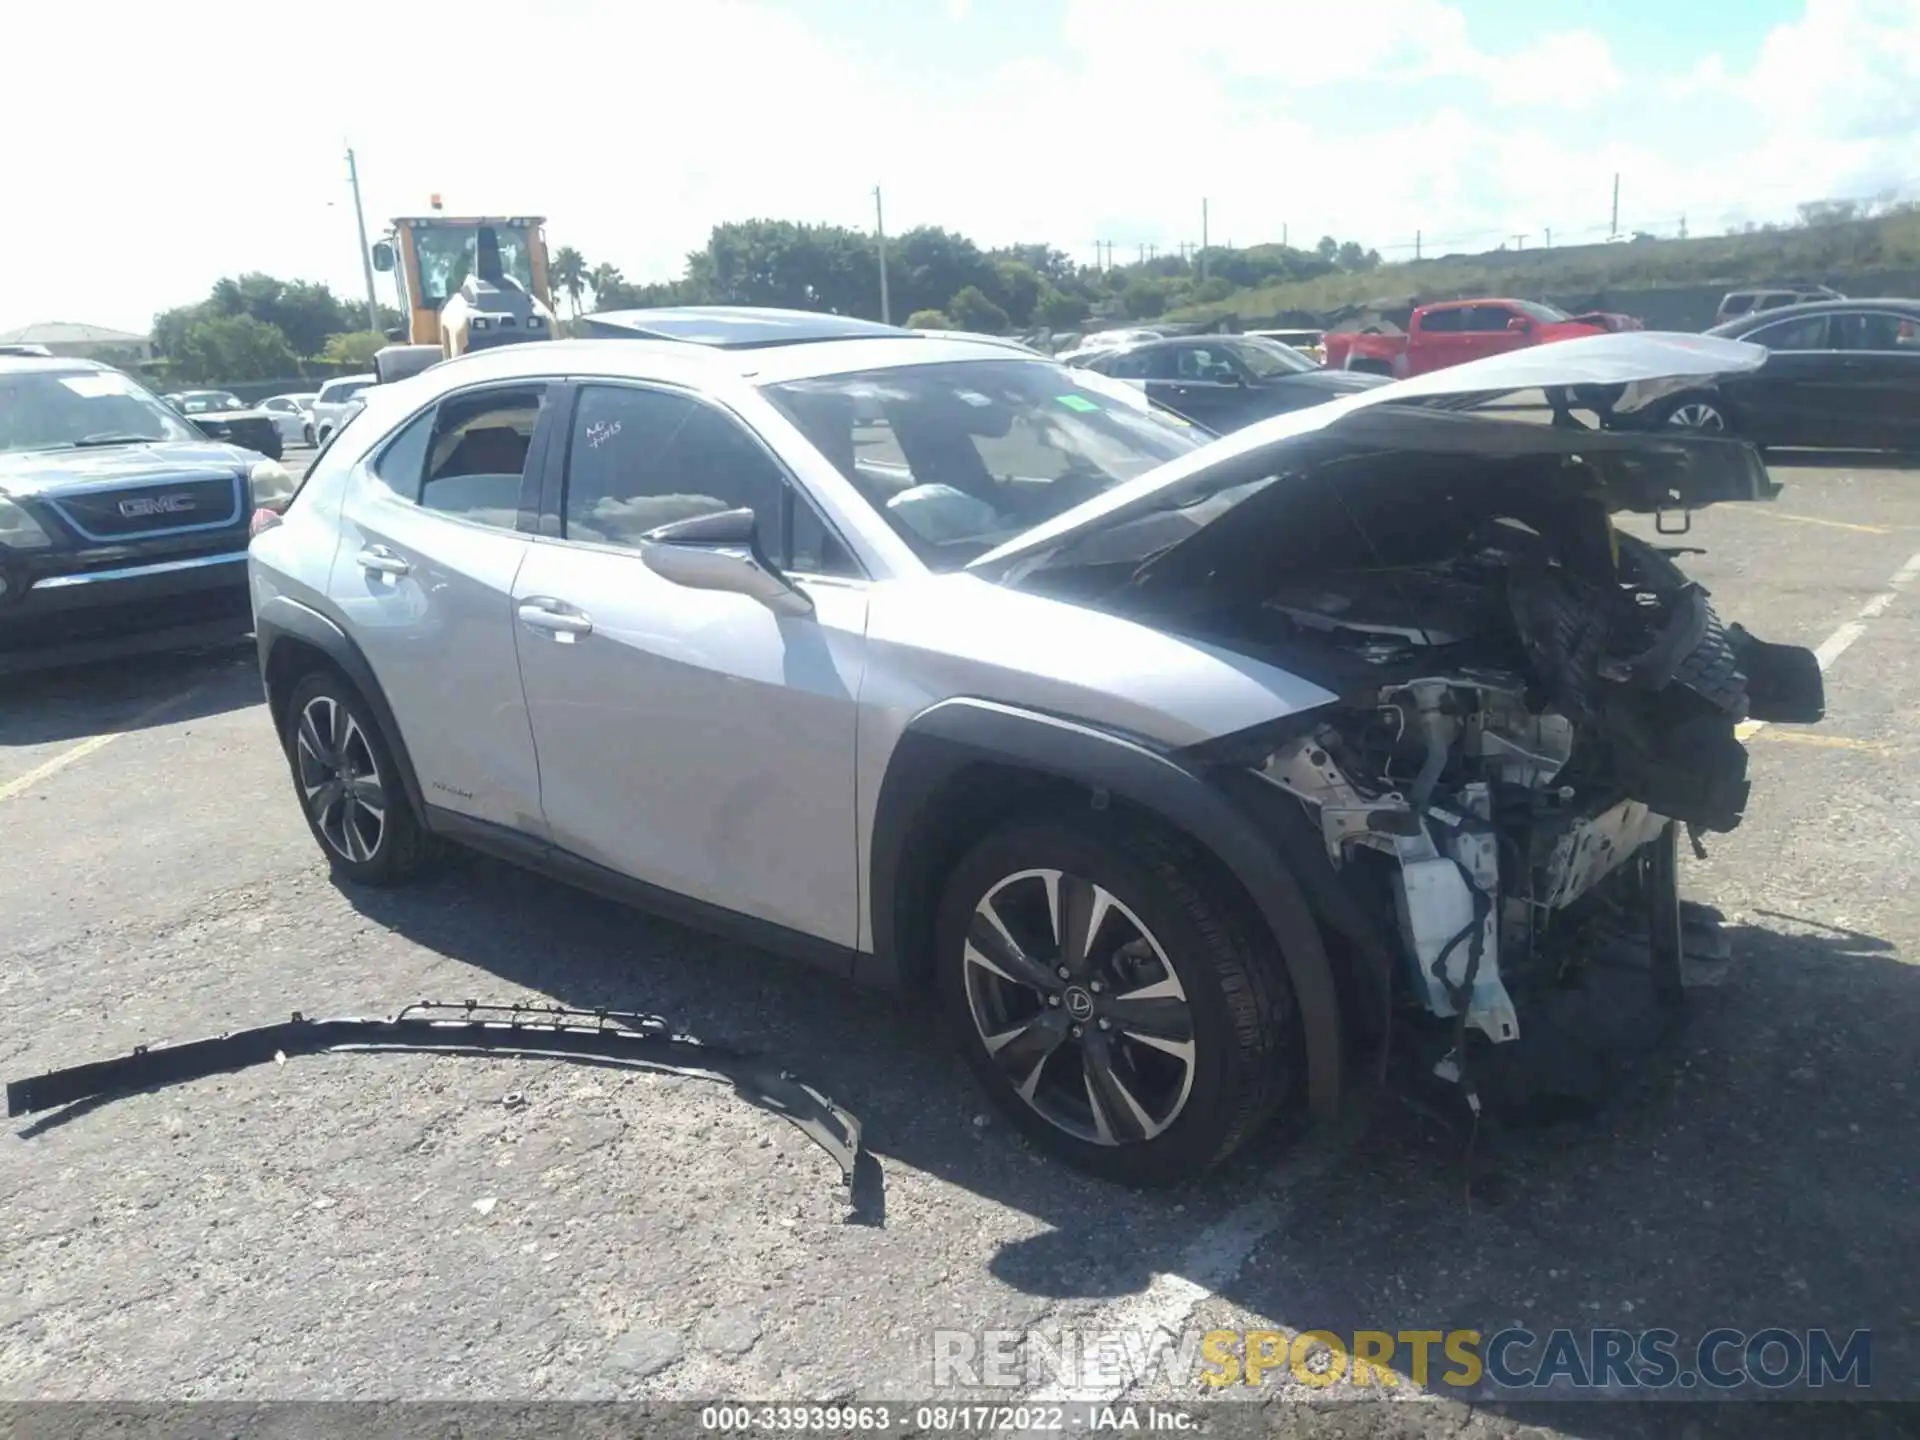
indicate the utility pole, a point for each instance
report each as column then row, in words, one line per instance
column 880, row 231
column 1283, row 236
column 1519, row 242
column 1549, row 237
column 1613, row 229
column 1203, row 239
column 1143, row 252
column 366, row 255
column 1683, row 227
column 1416, row 244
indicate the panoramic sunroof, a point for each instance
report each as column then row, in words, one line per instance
column 734, row 328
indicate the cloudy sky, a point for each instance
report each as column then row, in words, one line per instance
column 179, row 142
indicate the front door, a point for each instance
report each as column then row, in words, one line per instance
column 1210, row 388
column 429, row 548
column 694, row 739
column 1789, row 399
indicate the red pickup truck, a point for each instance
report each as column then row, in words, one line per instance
column 1460, row 330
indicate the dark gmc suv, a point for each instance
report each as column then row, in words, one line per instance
column 122, row 527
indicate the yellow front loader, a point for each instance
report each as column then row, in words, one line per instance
column 466, row 284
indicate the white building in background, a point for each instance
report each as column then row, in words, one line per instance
column 89, row 342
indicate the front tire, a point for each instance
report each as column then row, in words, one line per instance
column 306, row 434
column 1112, row 1001
column 1698, row 412
column 348, row 785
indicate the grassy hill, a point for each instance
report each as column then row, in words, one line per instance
column 1861, row 257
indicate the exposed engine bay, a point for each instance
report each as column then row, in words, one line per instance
column 1532, row 701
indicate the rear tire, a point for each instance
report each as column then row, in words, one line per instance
column 307, row 434
column 1174, row 1036
column 348, row 785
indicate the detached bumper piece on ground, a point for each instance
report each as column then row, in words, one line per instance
column 602, row 1037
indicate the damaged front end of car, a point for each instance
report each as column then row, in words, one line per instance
column 1533, row 702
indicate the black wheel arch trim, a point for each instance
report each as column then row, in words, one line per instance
column 953, row 735
column 281, row 619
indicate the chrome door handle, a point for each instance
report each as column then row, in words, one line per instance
column 540, row 615
column 382, row 561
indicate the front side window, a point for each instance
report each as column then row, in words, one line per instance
column 958, row 457
column 1736, row 305
column 1488, row 319
column 1268, row 358
column 1809, row 332
column 51, row 411
column 638, row 459
column 337, row 394
column 1205, row 363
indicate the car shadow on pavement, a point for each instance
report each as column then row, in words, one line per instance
column 45, row 707
column 1844, row 459
column 1756, row 1169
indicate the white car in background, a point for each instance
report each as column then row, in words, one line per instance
column 335, row 400
column 293, row 417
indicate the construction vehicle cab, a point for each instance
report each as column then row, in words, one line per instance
column 466, row 284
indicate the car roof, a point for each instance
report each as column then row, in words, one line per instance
column 367, row 379
column 47, row 365
column 735, row 327
column 695, row 365
column 1756, row 319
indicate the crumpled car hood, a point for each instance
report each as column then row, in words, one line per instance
column 1665, row 470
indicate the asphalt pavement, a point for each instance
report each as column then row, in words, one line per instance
column 378, row 1226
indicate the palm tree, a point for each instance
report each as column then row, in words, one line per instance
column 606, row 282
column 570, row 275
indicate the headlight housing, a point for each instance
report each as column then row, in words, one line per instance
column 271, row 485
column 19, row 530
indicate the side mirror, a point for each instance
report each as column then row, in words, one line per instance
column 383, row 257
column 1519, row 325
column 721, row 552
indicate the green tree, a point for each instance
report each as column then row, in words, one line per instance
column 796, row 267
column 1145, row 298
column 569, row 275
column 1016, row 290
column 929, row 320
column 1328, row 248
column 356, row 348
column 972, row 310
column 233, row 349
column 1212, row 290
column 610, row 288
column 928, row 266
column 1059, row 309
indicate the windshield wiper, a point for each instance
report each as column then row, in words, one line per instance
column 110, row 438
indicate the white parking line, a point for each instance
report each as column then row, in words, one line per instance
column 1213, row 1260
column 1836, row 644
column 95, row 743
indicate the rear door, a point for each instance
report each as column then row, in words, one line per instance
column 1438, row 339
column 1876, row 392
column 432, row 538
column 1790, row 399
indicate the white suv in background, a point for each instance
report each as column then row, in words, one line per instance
column 331, row 405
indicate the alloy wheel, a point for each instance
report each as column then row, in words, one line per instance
column 1079, row 1007
column 340, row 781
column 1698, row 415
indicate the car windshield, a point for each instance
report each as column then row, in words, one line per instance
column 1267, row 358
column 1545, row 314
column 51, row 411
column 207, row 401
column 960, row 457
column 337, row 394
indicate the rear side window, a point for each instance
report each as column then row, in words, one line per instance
column 477, row 460
column 1873, row 330
column 1443, row 322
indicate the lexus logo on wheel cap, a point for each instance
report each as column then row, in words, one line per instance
column 156, row 505
column 1079, row 1003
